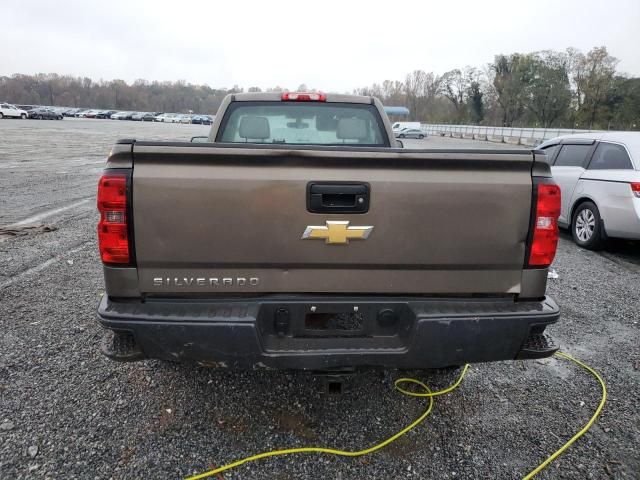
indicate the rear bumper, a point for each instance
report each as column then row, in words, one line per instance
column 248, row 334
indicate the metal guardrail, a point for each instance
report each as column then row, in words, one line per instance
column 517, row 136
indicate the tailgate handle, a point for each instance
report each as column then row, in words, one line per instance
column 338, row 197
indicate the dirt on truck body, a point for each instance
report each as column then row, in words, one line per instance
column 302, row 235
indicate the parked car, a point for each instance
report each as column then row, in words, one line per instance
column 201, row 120
column 105, row 114
column 172, row 118
column 599, row 175
column 81, row 113
column 11, row 111
column 44, row 114
column 409, row 133
column 167, row 118
column 137, row 116
column 397, row 126
column 185, row 118
column 149, row 117
column 122, row 115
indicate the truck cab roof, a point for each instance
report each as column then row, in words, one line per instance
column 277, row 97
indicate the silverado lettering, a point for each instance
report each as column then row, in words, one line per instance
column 203, row 282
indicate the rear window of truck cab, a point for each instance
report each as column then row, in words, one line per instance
column 303, row 123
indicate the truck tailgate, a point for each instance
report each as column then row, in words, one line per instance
column 218, row 219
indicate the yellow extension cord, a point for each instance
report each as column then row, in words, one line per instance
column 426, row 392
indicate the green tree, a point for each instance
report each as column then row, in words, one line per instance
column 454, row 87
column 623, row 104
column 511, row 74
column 593, row 75
column 475, row 104
column 549, row 90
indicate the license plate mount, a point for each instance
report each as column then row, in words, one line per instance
column 334, row 324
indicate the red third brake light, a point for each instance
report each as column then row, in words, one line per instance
column 113, row 238
column 545, row 233
column 303, row 97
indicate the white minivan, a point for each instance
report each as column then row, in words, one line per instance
column 599, row 177
column 11, row 111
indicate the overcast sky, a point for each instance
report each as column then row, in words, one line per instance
column 330, row 46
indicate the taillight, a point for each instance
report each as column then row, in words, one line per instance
column 635, row 189
column 113, row 238
column 545, row 227
column 303, row 97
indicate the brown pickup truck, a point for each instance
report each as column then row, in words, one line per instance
column 302, row 235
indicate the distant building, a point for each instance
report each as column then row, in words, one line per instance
column 397, row 113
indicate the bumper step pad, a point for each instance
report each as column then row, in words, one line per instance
column 121, row 346
column 538, row 345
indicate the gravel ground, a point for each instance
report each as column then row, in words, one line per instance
column 67, row 412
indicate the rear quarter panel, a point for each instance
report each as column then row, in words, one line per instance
column 610, row 191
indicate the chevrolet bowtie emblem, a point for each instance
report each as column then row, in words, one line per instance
column 336, row 232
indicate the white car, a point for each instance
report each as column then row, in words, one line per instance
column 11, row 111
column 176, row 118
column 185, row 119
column 599, row 177
column 167, row 118
column 88, row 113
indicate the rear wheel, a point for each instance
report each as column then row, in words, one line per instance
column 39, row 117
column 401, row 136
column 586, row 226
column 23, row 116
column 1, row 115
column 420, row 136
